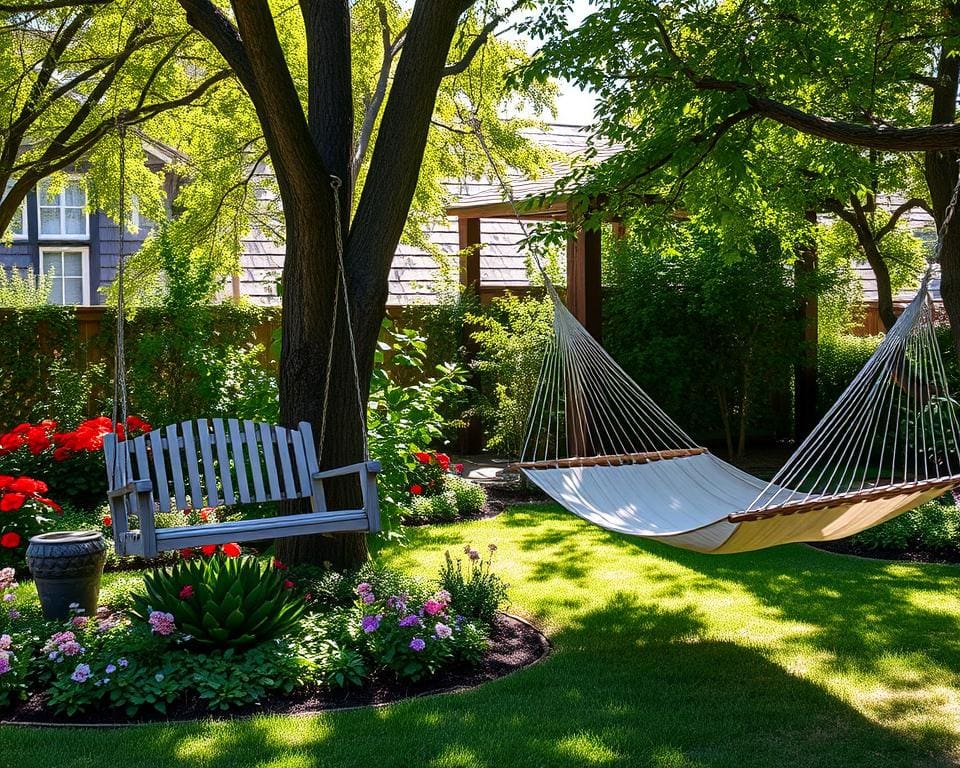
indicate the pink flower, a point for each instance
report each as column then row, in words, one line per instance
column 442, row 631
column 186, row 593
column 433, row 607
column 443, row 597
column 162, row 623
column 71, row 648
column 5, row 642
column 363, row 588
column 417, row 644
column 79, row 621
column 473, row 555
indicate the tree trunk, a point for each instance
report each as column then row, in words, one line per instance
column 940, row 170
column 805, row 371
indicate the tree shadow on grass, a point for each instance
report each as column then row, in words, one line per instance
column 629, row 684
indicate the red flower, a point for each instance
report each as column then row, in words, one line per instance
column 28, row 486
column 278, row 565
column 458, row 468
column 203, row 515
column 231, row 550
column 50, row 503
column 444, row 461
column 288, row 584
column 107, row 521
column 186, row 593
column 11, row 502
column 5, row 481
column 62, row 453
column 423, row 458
column 186, row 553
column 416, row 489
column 11, row 442
column 208, row 549
column 10, row 540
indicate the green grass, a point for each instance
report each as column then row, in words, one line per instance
column 788, row 657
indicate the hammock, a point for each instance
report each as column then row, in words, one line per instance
column 598, row 445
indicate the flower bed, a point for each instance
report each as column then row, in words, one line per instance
column 438, row 493
column 222, row 632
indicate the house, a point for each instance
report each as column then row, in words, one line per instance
column 55, row 233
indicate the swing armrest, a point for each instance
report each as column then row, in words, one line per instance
column 350, row 469
column 134, row 486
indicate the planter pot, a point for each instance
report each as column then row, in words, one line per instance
column 67, row 567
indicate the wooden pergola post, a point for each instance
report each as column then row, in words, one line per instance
column 471, row 436
column 584, row 288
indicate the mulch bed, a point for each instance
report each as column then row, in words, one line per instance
column 514, row 644
column 846, row 547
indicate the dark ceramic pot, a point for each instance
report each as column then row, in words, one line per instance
column 67, row 567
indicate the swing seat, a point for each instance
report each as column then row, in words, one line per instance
column 216, row 463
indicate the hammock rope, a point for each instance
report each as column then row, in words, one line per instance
column 598, row 444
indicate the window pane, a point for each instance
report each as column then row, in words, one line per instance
column 56, row 291
column 72, row 291
column 73, row 264
column 16, row 223
column 45, row 198
column 75, row 221
column 49, row 221
column 75, row 195
column 52, row 260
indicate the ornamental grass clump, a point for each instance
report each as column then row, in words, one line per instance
column 219, row 602
column 475, row 592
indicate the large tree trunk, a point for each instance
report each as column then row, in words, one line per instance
column 940, row 170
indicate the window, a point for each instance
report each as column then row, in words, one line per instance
column 68, row 267
column 18, row 224
column 63, row 215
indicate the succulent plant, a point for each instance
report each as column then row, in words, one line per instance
column 222, row 602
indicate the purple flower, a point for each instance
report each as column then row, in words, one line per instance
column 492, row 547
column 9, row 597
column 122, row 663
column 162, row 623
column 5, row 642
column 410, row 621
column 367, row 598
column 443, row 631
column 13, row 613
column 397, row 603
column 417, row 644
column 81, row 673
column 110, row 669
column 473, row 555
column 363, row 587
column 371, row 623
column 4, row 662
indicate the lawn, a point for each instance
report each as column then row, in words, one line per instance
column 789, row 657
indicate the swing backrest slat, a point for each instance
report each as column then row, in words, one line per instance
column 195, row 464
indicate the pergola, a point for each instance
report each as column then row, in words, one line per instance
column 584, row 294
column 584, row 297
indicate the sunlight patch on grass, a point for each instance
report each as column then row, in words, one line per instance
column 586, row 749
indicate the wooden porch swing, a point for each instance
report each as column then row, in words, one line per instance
column 222, row 462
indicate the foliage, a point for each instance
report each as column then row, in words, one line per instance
column 220, row 601
column 405, row 418
column 24, row 289
column 932, row 528
column 477, row 594
column 188, row 361
column 24, row 512
column 512, row 336
column 437, row 491
column 438, row 508
column 839, row 359
column 471, row 498
column 711, row 336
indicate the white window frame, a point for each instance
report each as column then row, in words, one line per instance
column 63, row 218
column 24, row 235
column 84, row 268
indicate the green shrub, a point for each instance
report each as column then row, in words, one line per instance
column 933, row 527
column 477, row 593
column 471, row 497
column 403, row 418
column 440, row 508
column 512, row 334
column 839, row 360
column 220, row 601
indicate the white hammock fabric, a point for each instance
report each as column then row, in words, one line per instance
column 887, row 445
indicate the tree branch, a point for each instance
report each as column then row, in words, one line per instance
column 214, row 25
column 48, row 5
column 478, row 42
column 909, row 205
column 379, row 93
